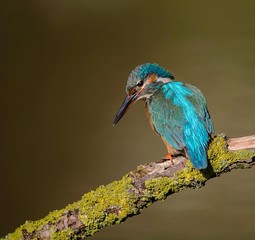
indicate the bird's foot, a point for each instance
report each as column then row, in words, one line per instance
column 168, row 157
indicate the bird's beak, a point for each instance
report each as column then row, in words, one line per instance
column 124, row 107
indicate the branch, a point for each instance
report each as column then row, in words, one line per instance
column 115, row 202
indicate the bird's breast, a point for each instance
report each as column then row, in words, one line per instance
column 149, row 116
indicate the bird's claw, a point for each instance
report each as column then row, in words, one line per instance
column 168, row 157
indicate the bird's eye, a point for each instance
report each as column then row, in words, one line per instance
column 139, row 83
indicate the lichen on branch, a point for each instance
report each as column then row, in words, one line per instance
column 115, row 202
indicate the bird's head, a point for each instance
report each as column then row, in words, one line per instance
column 142, row 83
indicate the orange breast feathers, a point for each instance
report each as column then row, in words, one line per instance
column 149, row 118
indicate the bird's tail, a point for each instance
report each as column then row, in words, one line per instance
column 196, row 143
column 198, row 157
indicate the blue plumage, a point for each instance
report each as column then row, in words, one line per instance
column 143, row 71
column 177, row 111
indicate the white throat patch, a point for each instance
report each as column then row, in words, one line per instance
column 144, row 96
column 164, row 80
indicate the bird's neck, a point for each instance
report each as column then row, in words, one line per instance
column 163, row 80
column 156, row 86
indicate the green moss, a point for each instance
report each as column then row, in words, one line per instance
column 160, row 187
column 32, row 226
column 188, row 177
column 13, row 236
column 220, row 157
column 105, row 206
column 64, row 234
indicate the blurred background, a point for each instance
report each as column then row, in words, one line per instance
column 64, row 66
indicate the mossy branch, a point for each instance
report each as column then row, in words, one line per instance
column 115, row 202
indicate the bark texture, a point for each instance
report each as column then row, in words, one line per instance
column 115, row 202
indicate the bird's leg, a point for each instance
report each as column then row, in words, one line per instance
column 169, row 158
column 170, row 151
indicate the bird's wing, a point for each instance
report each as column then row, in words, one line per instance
column 168, row 120
column 180, row 115
column 199, row 102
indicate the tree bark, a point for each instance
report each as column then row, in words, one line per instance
column 138, row 189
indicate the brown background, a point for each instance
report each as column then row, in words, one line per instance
column 64, row 66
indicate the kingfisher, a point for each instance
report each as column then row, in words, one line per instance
column 177, row 112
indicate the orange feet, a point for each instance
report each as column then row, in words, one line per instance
column 168, row 157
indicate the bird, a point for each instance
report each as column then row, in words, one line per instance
column 176, row 111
